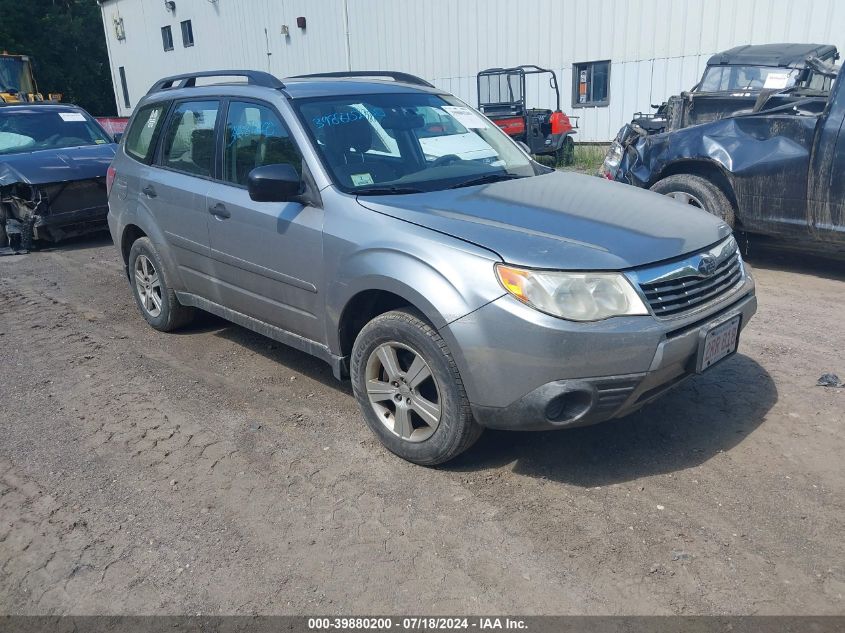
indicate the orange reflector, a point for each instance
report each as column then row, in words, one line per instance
column 513, row 280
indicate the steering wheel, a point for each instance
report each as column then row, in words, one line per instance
column 446, row 159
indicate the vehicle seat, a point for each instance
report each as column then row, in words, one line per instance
column 278, row 150
column 346, row 147
column 202, row 152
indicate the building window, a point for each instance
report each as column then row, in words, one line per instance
column 187, row 34
column 591, row 84
column 123, row 85
column 167, row 38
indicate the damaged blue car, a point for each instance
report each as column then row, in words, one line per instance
column 53, row 164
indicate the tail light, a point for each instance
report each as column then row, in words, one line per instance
column 560, row 123
column 110, row 174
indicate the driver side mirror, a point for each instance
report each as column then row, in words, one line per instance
column 117, row 137
column 524, row 147
column 274, row 183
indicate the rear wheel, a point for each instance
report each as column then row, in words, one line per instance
column 698, row 192
column 156, row 300
column 409, row 389
column 565, row 155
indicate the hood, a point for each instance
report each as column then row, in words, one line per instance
column 561, row 220
column 56, row 165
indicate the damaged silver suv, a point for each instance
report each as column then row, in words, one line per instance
column 386, row 227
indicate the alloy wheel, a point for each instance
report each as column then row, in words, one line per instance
column 403, row 392
column 148, row 285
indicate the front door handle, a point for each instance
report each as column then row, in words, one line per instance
column 219, row 210
column 149, row 191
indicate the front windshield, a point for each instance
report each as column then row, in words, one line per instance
column 15, row 75
column 733, row 78
column 28, row 131
column 404, row 143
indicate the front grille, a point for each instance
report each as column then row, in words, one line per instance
column 681, row 287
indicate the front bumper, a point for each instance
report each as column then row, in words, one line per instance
column 567, row 375
column 58, row 226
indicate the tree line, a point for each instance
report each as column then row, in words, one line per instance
column 66, row 41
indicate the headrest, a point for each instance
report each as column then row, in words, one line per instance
column 357, row 135
column 202, row 148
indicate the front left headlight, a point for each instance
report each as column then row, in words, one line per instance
column 573, row 296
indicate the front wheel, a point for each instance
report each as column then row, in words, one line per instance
column 697, row 192
column 409, row 389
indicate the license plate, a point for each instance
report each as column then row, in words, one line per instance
column 719, row 342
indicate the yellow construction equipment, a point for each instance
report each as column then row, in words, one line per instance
column 17, row 82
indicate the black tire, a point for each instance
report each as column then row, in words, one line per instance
column 698, row 192
column 566, row 154
column 171, row 314
column 4, row 238
column 456, row 430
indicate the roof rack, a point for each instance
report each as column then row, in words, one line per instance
column 392, row 74
column 189, row 80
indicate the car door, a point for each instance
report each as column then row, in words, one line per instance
column 176, row 189
column 267, row 256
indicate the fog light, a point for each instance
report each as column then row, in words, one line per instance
column 569, row 406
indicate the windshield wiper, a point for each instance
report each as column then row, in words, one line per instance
column 483, row 180
column 385, row 190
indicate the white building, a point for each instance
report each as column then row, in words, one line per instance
column 655, row 48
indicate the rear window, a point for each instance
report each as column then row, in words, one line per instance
column 145, row 127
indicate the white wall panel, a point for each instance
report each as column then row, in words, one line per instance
column 657, row 47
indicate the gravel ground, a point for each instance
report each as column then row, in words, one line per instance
column 214, row 471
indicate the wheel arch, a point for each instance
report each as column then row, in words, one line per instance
column 131, row 233
column 364, row 291
column 710, row 170
column 143, row 225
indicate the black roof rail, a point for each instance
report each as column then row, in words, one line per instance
column 392, row 74
column 189, row 80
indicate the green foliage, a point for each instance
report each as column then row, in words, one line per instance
column 66, row 41
column 587, row 159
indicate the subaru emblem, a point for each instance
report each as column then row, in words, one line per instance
column 707, row 266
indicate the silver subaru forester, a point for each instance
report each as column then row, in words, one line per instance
column 384, row 226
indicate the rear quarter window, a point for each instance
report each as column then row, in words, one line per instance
column 144, row 129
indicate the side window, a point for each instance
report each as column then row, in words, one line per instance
column 139, row 139
column 255, row 136
column 189, row 138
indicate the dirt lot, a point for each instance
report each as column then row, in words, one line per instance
column 214, row 471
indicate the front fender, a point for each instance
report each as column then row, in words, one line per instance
column 443, row 283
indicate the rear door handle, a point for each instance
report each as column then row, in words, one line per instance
column 149, row 191
column 219, row 210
